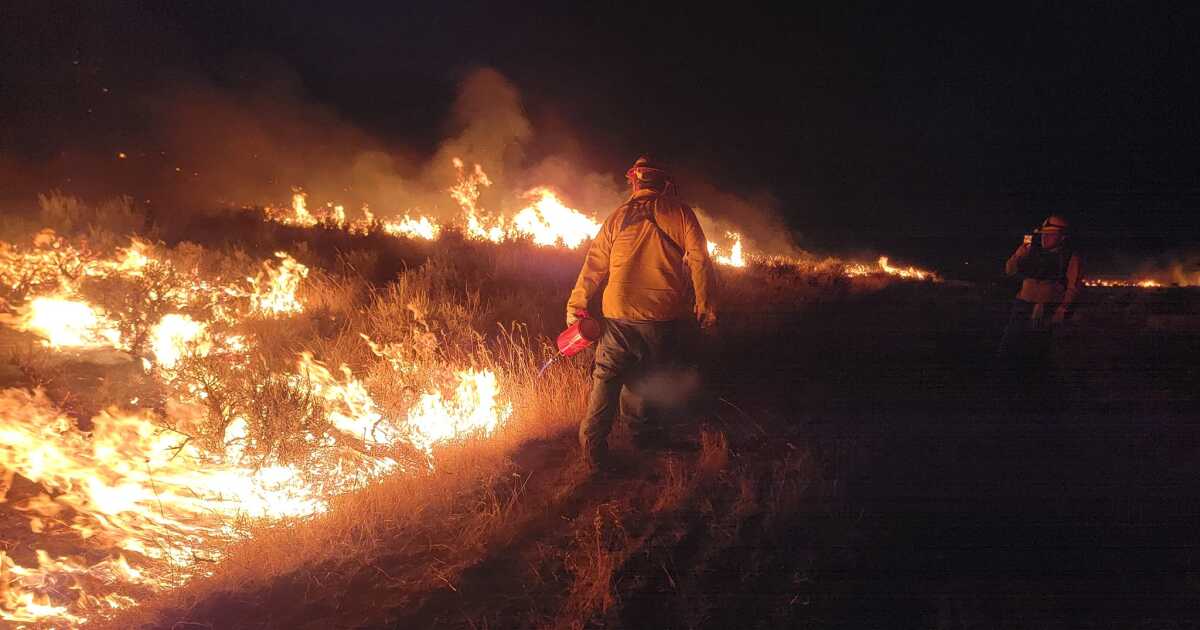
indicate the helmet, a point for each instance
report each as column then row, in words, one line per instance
column 647, row 173
column 1055, row 223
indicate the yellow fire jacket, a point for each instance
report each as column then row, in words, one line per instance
column 646, row 275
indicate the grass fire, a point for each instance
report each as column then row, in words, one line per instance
column 474, row 317
column 256, row 391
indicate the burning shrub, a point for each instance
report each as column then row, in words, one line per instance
column 138, row 302
column 45, row 266
column 283, row 416
column 333, row 298
column 211, row 382
column 426, row 316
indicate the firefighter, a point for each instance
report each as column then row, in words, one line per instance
column 1051, row 280
column 648, row 260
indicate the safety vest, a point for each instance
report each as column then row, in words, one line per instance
column 1048, row 265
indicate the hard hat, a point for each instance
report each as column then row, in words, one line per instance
column 645, row 170
column 1055, row 223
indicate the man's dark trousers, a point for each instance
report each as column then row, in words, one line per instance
column 628, row 351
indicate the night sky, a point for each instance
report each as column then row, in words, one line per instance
column 937, row 133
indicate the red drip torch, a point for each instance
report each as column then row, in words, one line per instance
column 583, row 333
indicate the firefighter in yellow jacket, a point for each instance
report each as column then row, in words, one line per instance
column 648, row 261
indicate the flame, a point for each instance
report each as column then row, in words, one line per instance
column 353, row 411
column 132, row 260
column 550, row 222
column 883, row 266
column 736, row 257
column 466, row 193
column 296, row 214
column 66, row 323
column 546, row 220
column 418, row 227
column 138, row 490
column 132, row 489
column 1146, row 283
column 173, row 336
column 146, row 500
column 274, row 289
column 1176, row 274
column 474, row 410
column 53, row 263
column 469, row 187
column 903, row 272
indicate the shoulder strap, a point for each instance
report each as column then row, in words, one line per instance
column 663, row 233
column 645, row 209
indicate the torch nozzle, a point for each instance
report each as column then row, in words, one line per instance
column 547, row 364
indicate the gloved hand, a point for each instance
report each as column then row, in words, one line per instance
column 707, row 319
column 574, row 316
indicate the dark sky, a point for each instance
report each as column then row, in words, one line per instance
column 937, row 132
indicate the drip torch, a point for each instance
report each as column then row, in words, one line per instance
column 583, row 333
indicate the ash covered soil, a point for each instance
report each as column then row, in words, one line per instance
column 854, row 460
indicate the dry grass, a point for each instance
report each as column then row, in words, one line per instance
column 677, row 538
column 714, row 452
column 598, row 553
column 470, row 502
column 468, row 305
column 468, row 499
column 103, row 225
column 677, row 485
column 429, row 317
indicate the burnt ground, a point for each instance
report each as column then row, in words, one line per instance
column 881, row 472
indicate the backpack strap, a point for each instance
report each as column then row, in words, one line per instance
column 647, row 213
column 663, row 233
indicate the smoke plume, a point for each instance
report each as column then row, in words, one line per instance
column 192, row 145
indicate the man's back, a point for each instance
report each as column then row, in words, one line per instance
column 645, row 251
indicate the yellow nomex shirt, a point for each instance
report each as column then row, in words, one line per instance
column 647, row 275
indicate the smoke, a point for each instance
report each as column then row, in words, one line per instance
column 756, row 219
column 250, row 147
column 1176, row 267
column 670, row 388
column 188, row 144
column 490, row 124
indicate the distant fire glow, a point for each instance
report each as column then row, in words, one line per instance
column 1146, row 283
column 884, row 266
column 546, row 220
